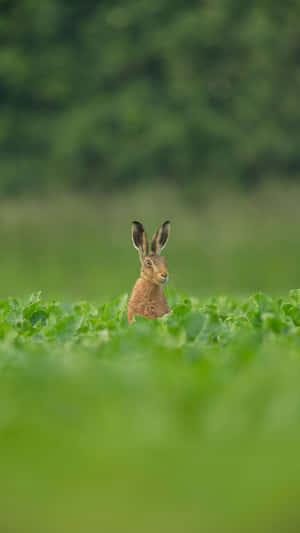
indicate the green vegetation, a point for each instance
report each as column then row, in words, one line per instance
column 189, row 419
column 149, row 110
column 79, row 247
column 106, row 94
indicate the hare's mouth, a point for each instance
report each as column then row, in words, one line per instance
column 164, row 279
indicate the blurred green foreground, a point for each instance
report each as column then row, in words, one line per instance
column 185, row 423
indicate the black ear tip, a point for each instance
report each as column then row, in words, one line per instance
column 138, row 225
column 167, row 222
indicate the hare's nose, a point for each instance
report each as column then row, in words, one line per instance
column 164, row 276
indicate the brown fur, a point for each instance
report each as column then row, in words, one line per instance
column 147, row 297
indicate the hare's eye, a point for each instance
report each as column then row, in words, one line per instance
column 149, row 263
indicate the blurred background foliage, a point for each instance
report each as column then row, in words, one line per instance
column 79, row 246
column 108, row 94
column 150, row 110
column 114, row 111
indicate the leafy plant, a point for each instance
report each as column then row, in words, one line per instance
column 202, row 403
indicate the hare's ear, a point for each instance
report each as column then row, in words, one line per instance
column 139, row 238
column 160, row 238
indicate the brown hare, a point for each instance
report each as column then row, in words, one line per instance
column 147, row 297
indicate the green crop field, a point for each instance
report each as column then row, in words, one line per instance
column 222, row 241
column 185, row 423
column 149, row 111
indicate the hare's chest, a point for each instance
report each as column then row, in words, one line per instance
column 153, row 308
column 149, row 304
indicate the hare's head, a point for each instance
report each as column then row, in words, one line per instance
column 154, row 266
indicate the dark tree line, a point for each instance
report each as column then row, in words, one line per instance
column 107, row 93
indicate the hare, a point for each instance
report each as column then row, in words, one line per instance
column 147, row 297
